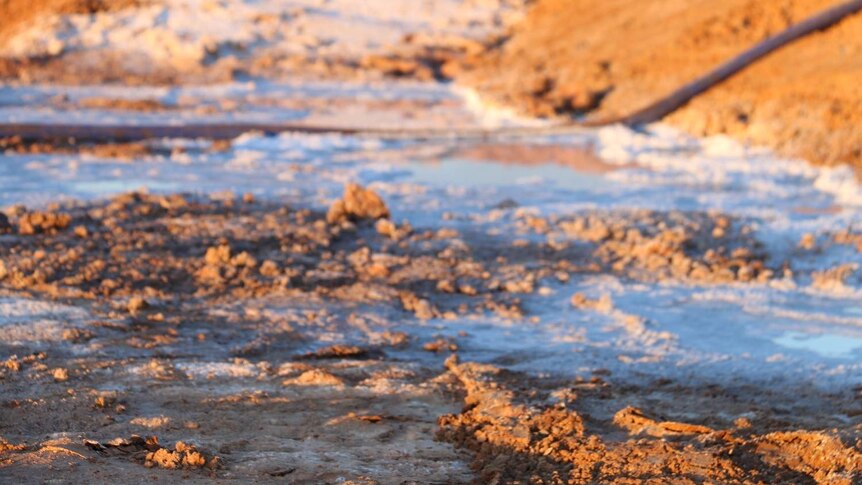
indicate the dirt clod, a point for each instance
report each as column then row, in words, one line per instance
column 42, row 222
column 357, row 203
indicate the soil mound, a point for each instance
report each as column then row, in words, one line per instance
column 610, row 58
column 16, row 13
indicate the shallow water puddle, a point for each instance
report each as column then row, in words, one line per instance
column 561, row 166
column 482, row 173
column 832, row 345
column 99, row 188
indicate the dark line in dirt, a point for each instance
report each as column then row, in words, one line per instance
column 84, row 133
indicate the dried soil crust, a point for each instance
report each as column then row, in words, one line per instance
column 609, row 58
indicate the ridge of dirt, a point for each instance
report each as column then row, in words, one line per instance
column 170, row 246
column 610, row 58
column 548, row 436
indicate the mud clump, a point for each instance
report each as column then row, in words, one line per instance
column 652, row 245
column 822, row 456
column 140, row 247
column 636, row 422
column 136, row 304
column 42, row 223
column 315, row 377
column 422, row 308
column 357, row 203
column 221, row 266
column 119, row 150
column 340, row 352
column 835, row 278
column 440, row 345
column 60, row 374
column 604, row 304
column 182, row 456
column 6, row 446
column 848, row 237
column 150, row 453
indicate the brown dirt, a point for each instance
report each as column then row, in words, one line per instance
column 155, row 246
column 609, row 58
column 578, row 433
column 17, row 13
column 358, row 203
column 152, row 454
column 424, row 55
column 121, row 151
column 210, row 323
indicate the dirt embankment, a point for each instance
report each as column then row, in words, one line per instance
column 16, row 13
column 610, row 58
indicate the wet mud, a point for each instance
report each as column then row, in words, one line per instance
column 262, row 341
